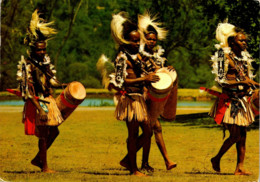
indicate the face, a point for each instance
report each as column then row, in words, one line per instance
column 151, row 40
column 240, row 41
column 134, row 39
column 39, row 50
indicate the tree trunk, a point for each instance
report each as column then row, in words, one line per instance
column 72, row 20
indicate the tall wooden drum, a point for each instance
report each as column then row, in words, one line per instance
column 69, row 99
column 162, row 94
column 159, row 91
column 169, row 112
column 255, row 102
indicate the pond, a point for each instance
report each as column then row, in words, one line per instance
column 96, row 102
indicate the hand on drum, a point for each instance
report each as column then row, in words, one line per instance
column 170, row 68
column 152, row 77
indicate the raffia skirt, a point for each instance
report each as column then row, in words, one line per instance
column 129, row 109
column 244, row 117
column 54, row 114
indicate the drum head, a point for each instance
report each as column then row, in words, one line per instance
column 164, row 82
column 77, row 90
column 172, row 73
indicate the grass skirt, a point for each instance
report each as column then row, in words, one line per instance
column 242, row 118
column 128, row 109
column 54, row 114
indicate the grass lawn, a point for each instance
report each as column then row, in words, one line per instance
column 91, row 144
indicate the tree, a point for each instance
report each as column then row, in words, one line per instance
column 84, row 34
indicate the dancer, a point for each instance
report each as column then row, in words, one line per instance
column 131, row 106
column 152, row 57
column 233, row 70
column 36, row 76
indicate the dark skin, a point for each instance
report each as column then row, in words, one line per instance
column 133, row 48
column 238, row 45
column 47, row 134
column 151, row 40
column 150, row 43
column 133, row 126
column 237, row 133
column 38, row 52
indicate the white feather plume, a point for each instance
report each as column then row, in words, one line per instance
column 223, row 31
column 101, row 67
column 39, row 24
column 147, row 19
column 117, row 28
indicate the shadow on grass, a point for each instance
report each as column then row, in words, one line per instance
column 104, row 173
column 32, row 172
column 23, row 172
column 213, row 173
column 203, row 120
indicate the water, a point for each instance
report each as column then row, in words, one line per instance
column 96, row 102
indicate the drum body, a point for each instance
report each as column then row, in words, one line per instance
column 159, row 91
column 162, row 96
column 255, row 102
column 169, row 112
column 73, row 95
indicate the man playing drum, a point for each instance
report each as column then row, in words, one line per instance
column 36, row 76
column 131, row 106
column 153, row 57
column 153, row 61
column 233, row 70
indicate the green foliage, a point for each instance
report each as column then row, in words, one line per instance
column 84, row 34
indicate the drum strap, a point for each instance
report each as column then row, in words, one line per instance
column 65, row 102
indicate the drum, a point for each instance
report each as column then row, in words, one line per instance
column 69, row 99
column 169, row 112
column 159, row 91
column 255, row 102
column 161, row 95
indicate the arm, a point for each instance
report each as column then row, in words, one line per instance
column 245, row 78
column 42, row 113
column 148, row 78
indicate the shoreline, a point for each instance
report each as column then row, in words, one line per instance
column 183, row 94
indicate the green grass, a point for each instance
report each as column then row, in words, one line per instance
column 91, row 144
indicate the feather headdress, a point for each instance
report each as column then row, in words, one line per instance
column 38, row 30
column 102, row 66
column 146, row 20
column 223, row 31
column 121, row 26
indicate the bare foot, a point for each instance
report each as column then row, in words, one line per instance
column 170, row 165
column 36, row 162
column 147, row 167
column 124, row 164
column 48, row 171
column 138, row 173
column 242, row 172
column 215, row 164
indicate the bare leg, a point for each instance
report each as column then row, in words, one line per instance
column 46, row 138
column 132, row 127
column 234, row 137
column 144, row 140
column 241, row 150
column 146, row 147
column 161, row 145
